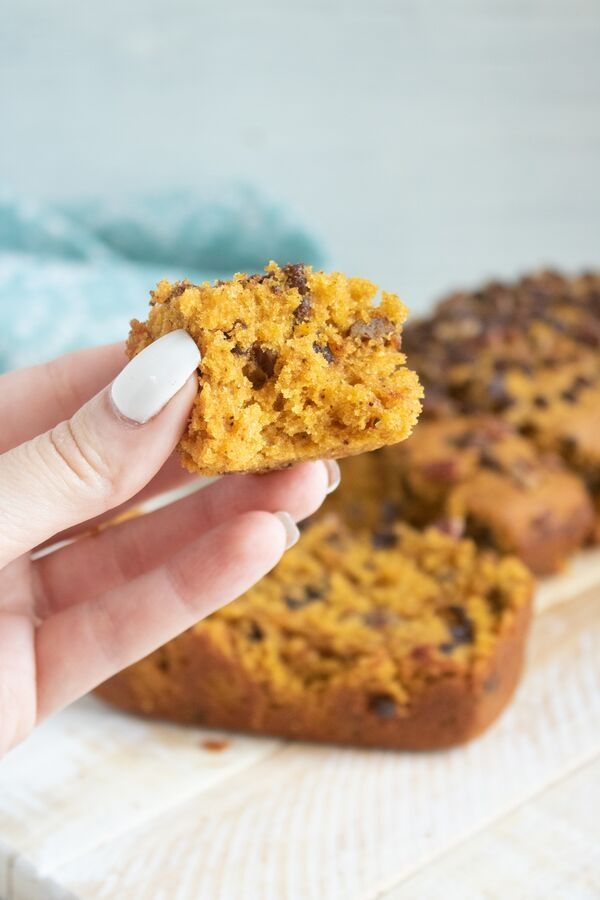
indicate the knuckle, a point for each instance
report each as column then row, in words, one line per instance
column 178, row 584
column 17, row 718
column 73, row 457
column 107, row 629
column 127, row 552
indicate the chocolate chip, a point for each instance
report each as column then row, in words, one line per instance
column 383, row 540
column 229, row 333
column 496, row 600
column 460, row 626
column 490, row 461
column 258, row 278
column 325, row 351
column 265, row 359
column 178, row 289
column 540, row 401
column 569, row 396
column 382, row 705
column 311, row 595
column 375, row 329
column 470, row 439
column 294, row 602
column 255, row 633
column 260, row 366
column 582, row 382
column 569, row 444
column 480, row 532
column 502, row 364
column 295, row 277
column 498, row 393
column 389, row 511
column 303, row 310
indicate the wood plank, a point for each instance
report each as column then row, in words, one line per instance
column 328, row 823
column 91, row 773
column 550, row 847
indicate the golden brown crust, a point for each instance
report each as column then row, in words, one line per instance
column 447, row 712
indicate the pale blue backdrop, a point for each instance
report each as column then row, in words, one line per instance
column 423, row 144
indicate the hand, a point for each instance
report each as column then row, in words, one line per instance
column 73, row 617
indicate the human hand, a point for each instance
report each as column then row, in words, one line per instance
column 72, row 618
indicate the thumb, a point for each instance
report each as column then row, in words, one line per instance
column 104, row 454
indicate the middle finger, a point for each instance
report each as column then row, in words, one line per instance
column 101, row 561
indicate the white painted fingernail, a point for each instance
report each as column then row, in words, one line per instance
column 148, row 382
column 334, row 476
column 291, row 529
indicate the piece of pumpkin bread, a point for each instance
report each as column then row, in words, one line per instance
column 417, row 644
column 477, row 475
column 296, row 365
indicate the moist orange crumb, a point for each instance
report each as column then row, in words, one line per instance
column 296, row 365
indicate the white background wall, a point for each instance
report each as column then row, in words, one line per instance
column 430, row 143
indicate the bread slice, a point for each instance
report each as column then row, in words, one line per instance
column 296, row 365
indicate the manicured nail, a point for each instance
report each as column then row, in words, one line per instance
column 155, row 375
column 334, row 476
column 291, row 529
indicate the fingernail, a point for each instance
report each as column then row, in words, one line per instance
column 148, row 382
column 291, row 529
column 334, row 475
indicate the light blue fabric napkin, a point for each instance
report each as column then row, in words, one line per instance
column 74, row 275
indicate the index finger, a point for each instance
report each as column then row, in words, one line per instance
column 34, row 399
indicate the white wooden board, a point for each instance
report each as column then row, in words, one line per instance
column 548, row 848
column 100, row 805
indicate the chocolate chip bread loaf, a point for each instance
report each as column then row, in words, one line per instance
column 296, row 365
column 527, row 352
column 417, row 644
column 478, row 476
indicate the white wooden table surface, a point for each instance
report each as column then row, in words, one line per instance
column 100, row 805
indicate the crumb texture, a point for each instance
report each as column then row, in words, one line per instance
column 296, row 365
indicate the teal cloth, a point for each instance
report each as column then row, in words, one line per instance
column 74, row 274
